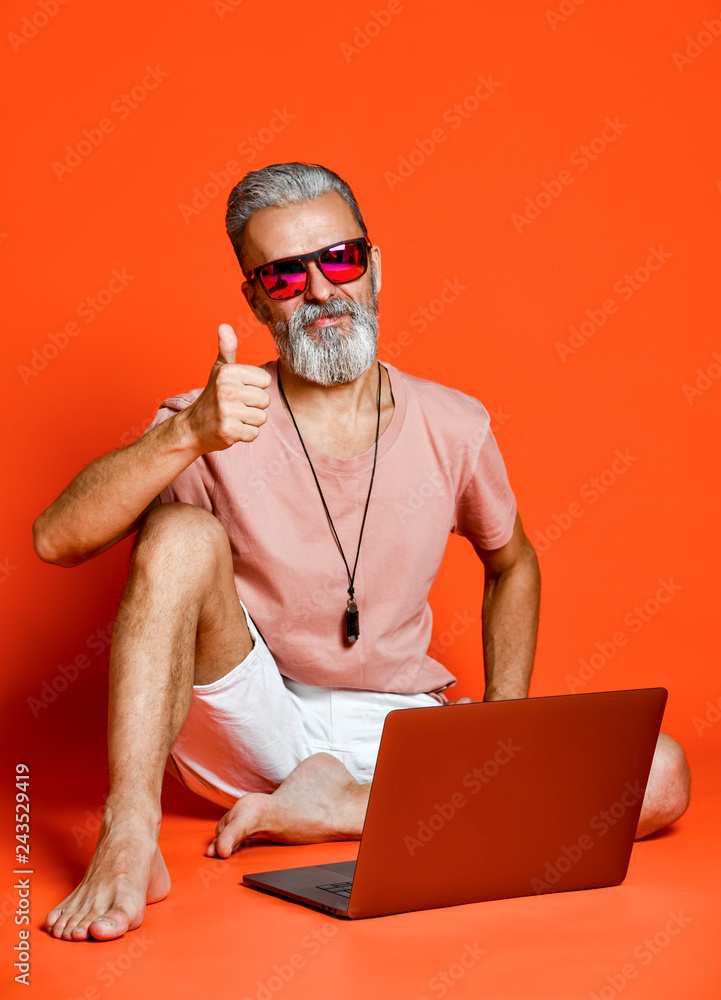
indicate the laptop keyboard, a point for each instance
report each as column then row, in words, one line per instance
column 339, row 888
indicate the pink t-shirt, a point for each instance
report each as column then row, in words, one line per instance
column 439, row 470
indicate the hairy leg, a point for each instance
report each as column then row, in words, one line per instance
column 668, row 791
column 179, row 623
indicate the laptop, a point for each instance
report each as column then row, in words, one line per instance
column 492, row 800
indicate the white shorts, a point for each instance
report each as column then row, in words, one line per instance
column 247, row 731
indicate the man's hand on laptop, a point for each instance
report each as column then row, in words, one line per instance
column 232, row 406
column 464, row 700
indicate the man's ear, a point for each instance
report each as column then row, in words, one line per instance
column 376, row 258
column 251, row 297
column 259, row 308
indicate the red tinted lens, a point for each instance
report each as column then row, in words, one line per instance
column 344, row 262
column 284, row 279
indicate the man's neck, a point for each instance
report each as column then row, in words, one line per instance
column 339, row 420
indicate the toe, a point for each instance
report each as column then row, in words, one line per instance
column 59, row 925
column 231, row 837
column 80, row 931
column 72, row 924
column 53, row 917
column 224, row 845
column 112, row 924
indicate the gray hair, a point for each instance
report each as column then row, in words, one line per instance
column 282, row 184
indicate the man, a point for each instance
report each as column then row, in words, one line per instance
column 288, row 486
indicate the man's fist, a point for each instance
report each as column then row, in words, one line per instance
column 232, row 406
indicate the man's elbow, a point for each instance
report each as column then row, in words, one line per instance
column 531, row 558
column 530, row 567
column 524, row 567
column 47, row 549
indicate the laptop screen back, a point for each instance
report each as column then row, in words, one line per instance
column 498, row 799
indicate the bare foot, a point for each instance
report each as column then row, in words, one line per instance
column 126, row 872
column 318, row 801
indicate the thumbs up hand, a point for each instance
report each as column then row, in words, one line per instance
column 232, row 406
column 227, row 345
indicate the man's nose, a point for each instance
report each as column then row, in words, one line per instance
column 318, row 289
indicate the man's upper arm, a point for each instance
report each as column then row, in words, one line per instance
column 517, row 550
column 486, row 510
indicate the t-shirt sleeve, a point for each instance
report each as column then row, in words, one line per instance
column 196, row 483
column 486, row 508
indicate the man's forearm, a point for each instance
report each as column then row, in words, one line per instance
column 510, row 628
column 107, row 497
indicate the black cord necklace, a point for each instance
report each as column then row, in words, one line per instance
column 352, row 617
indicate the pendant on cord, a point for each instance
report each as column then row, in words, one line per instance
column 352, row 625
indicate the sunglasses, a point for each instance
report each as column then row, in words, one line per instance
column 339, row 262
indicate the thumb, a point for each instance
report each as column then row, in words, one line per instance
column 227, row 344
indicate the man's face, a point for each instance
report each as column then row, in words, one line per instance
column 327, row 334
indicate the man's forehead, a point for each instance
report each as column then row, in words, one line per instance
column 296, row 229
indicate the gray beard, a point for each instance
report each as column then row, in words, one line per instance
column 338, row 358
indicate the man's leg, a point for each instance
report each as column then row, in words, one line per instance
column 180, row 594
column 180, row 623
column 668, row 791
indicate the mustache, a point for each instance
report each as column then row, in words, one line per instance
column 309, row 312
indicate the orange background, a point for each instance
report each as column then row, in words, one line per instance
column 361, row 91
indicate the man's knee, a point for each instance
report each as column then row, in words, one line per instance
column 679, row 773
column 181, row 528
column 671, row 778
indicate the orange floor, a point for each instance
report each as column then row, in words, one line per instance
column 213, row 937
